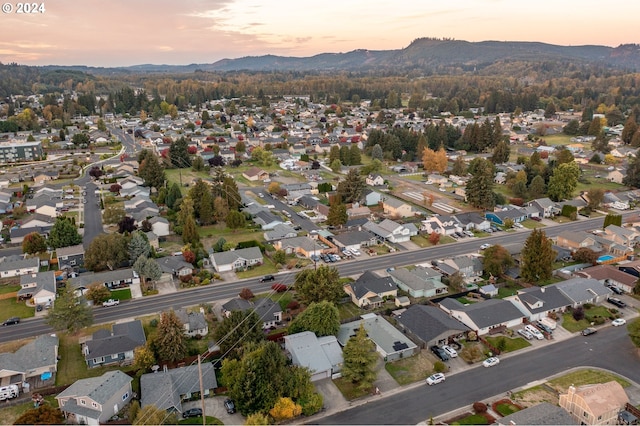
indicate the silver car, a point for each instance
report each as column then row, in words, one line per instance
column 524, row 333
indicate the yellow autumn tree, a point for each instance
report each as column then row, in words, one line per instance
column 434, row 161
column 285, row 409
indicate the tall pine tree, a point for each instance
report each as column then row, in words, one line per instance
column 538, row 256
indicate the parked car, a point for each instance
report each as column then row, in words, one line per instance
column 543, row 327
column 267, row 278
column 534, row 331
column 615, row 289
column 524, row 333
column 589, row 331
column 452, row 353
column 617, row 302
column 279, row 287
column 618, row 322
column 11, row 321
column 485, row 246
column 536, row 218
column 440, row 353
column 111, row 302
column 230, row 406
column 356, row 252
column 193, row 412
column 490, row 362
column 434, row 379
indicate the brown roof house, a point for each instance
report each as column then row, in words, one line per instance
column 597, row 404
column 255, row 174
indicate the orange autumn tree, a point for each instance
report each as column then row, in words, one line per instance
column 434, row 161
column 285, row 409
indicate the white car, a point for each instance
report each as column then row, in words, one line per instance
column 490, row 362
column 524, row 333
column 434, row 379
column 618, row 321
column 485, row 246
column 450, row 351
column 534, row 331
column 111, row 302
column 356, row 252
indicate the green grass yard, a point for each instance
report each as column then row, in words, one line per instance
column 585, row 377
column 590, row 315
column 121, row 294
column 511, row 344
column 266, row 268
column 13, row 308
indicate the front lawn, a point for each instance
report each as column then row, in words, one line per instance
column 511, row 344
column 506, row 407
column 422, row 241
column 8, row 415
column 121, row 294
column 590, row 315
column 13, row 308
column 411, row 369
column 473, row 419
column 4, row 289
column 198, row 421
column 349, row 390
column 265, row 269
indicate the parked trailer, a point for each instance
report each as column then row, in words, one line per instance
column 549, row 322
column 9, row 392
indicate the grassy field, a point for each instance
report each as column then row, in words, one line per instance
column 585, row 377
column 13, row 308
column 410, row 370
column 214, row 232
column 558, row 139
column 266, row 268
column 473, row 419
column 6, row 289
column 122, row 294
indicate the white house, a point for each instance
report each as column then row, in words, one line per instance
column 388, row 230
column 236, row 259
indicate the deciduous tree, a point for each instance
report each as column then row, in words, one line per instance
column 143, row 358
column 152, row 415
column 34, row 243
column 98, row 293
column 285, row 409
column 235, row 220
column 322, row 318
column 45, row 414
column 497, row 260
column 321, row 284
column 106, row 251
column 64, row 233
column 563, row 181
column 585, row 255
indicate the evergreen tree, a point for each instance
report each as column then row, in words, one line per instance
column 64, row 233
column 190, row 232
column 630, row 128
column 351, row 187
column 173, row 196
column 344, row 155
column 632, row 177
column 170, row 343
column 322, row 318
column 459, row 167
column 179, row 154
column 337, row 214
column 376, row 152
column 537, row 188
column 138, row 246
column 354, row 155
column 360, row 357
column 150, row 170
column 67, row 314
column 480, row 186
column 237, row 330
column 207, row 213
column 334, row 153
column 538, row 256
column 501, row 153
column 317, row 285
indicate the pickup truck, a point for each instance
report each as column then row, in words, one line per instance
column 111, row 302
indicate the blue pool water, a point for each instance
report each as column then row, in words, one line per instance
column 605, row 257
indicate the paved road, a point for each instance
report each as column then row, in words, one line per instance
column 521, row 370
column 225, row 290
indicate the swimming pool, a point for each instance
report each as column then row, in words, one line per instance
column 605, row 257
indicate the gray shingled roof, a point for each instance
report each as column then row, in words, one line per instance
column 370, row 282
column 11, row 263
column 429, row 322
column 125, row 337
column 195, row 320
column 489, row 312
column 100, row 389
column 229, row 257
column 43, row 280
column 540, row 414
column 581, row 290
column 164, row 388
column 84, row 280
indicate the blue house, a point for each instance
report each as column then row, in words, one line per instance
column 116, row 346
column 515, row 214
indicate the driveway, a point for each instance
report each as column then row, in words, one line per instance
column 166, row 286
column 214, row 407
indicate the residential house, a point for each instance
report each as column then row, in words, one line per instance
column 583, row 290
column 358, row 211
column 17, row 234
column 34, row 364
column 16, row 265
column 114, row 347
column 483, row 317
column 267, row 310
column 545, row 207
column 267, row 220
column 610, row 275
column 574, row 240
column 321, row 355
column 543, row 413
column 469, row 267
column 371, row 197
column 631, row 268
column 390, row 343
column 160, row 226
column 95, row 400
column 472, row 221
column 255, row 174
column 39, row 286
column 175, row 266
column 538, row 302
column 615, row 176
column 236, row 260
column 279, row 232
column 370, row 290
column 354, row 240
column 441, row 224
column 516, row 214
column 388, row 230
column 194, row 323
column 429, row 325
column 597, row 404
column 169, row 388
column 303, row 246
column 419, row 282
column 395, row 208
column 436, row 179
column 625, row 236
column 118, row 278
column 374, row 180
column 71, row 258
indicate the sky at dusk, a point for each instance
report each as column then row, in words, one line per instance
column 112, row 33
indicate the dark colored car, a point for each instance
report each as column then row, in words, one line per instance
column 615, row 289
column 39, row 308
column 589, row 331
column 544, row 327
column 12, row 320
column 193, row 412
column 440, row 353
column 229, row 406
column 617, row 302
column 267, row 278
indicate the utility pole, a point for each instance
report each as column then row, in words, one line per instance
column 204, row 417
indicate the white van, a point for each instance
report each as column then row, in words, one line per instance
column 549, row 322
column 9, row 392
column 533, row 330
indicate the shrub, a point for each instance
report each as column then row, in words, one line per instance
column 206, row 281
column 154, row 322
column 186, row 278
column 479, row 407
column 578, row 313
column 439, row 367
